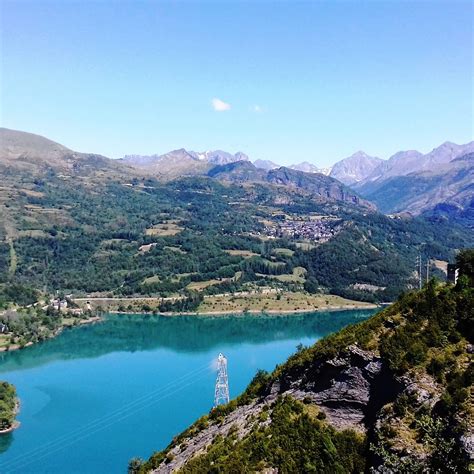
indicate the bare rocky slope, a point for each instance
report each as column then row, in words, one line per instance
column 355, row 168
column 449, row 185
column 317, row 186
column 391, row 394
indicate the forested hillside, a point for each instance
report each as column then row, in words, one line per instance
column 153, row 238
column 390, row 394
column 84, row 224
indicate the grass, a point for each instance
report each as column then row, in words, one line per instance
column 273, row 264
column 146, row 247
column 150, row 280
column 35, row 233
column 284, row 302
column 306, row 246
column 298, row 276
column 283, row 251
column 201, row 285
column 164, row 230
column 241, row 253
column 4, row 340
column 175, row 249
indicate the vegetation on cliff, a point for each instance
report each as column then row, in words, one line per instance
column 8, row 405
column 422, row 345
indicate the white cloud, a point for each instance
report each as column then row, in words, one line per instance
column 219, row 105
column 258, row 109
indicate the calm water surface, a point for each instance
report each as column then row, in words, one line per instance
column 99, row 395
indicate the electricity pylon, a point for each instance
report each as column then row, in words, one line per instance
column 221, row 394
column 418, row 270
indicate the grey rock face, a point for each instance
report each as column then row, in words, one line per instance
column 310, row 168
column 355, row 168
column 266, row 165
column 348, row 389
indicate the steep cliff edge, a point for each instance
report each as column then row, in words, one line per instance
column 391, row 394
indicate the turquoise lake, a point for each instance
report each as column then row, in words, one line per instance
column 98, row 395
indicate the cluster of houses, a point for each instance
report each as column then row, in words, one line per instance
column 63, row 306
column 316, row 230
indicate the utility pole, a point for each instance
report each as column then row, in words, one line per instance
column 418, row 270
column 221, row 394
column 427, row 270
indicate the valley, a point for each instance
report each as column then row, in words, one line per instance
column 89, row 226
column 266, row 259
column 236, row 237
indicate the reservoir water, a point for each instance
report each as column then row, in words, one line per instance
column 98, row 395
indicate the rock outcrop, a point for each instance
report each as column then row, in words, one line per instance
column 347, row 389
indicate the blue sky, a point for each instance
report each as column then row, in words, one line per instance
column 292, row 81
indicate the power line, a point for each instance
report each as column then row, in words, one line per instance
column 100, row 428
column 105, row 421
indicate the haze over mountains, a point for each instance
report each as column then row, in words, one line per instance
column 356, row 170
column 439, row 182
column 38, row 156
column 409, row 181
column 78, row 221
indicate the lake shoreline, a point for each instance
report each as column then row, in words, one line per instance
column 82, row 322
column 169, row 314
column 254, row 311
column 16, row 424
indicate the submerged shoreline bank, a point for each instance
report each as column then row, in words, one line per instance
column 16, row 424
column 237, row 313
column 82, row 322
column 256, row 311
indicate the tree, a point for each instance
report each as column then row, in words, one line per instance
column 465, row 262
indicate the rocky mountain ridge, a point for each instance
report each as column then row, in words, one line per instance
column 444, row 189
column 183, row 162
column 310, row 168
column 436, row 184
column 355, row 168
column 320, row 187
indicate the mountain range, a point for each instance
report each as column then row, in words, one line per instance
column 80, row 221
column 183, row 162
column 29, row 153
column 438, row 183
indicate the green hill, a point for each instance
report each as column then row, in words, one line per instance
column 83, row 223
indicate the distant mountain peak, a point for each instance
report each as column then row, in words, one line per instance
column 355, row 168
column 308, row 167
column 266, row 165
column 359, row 153
column 182, row 162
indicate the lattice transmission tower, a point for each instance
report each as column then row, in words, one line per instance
column 221, row 394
